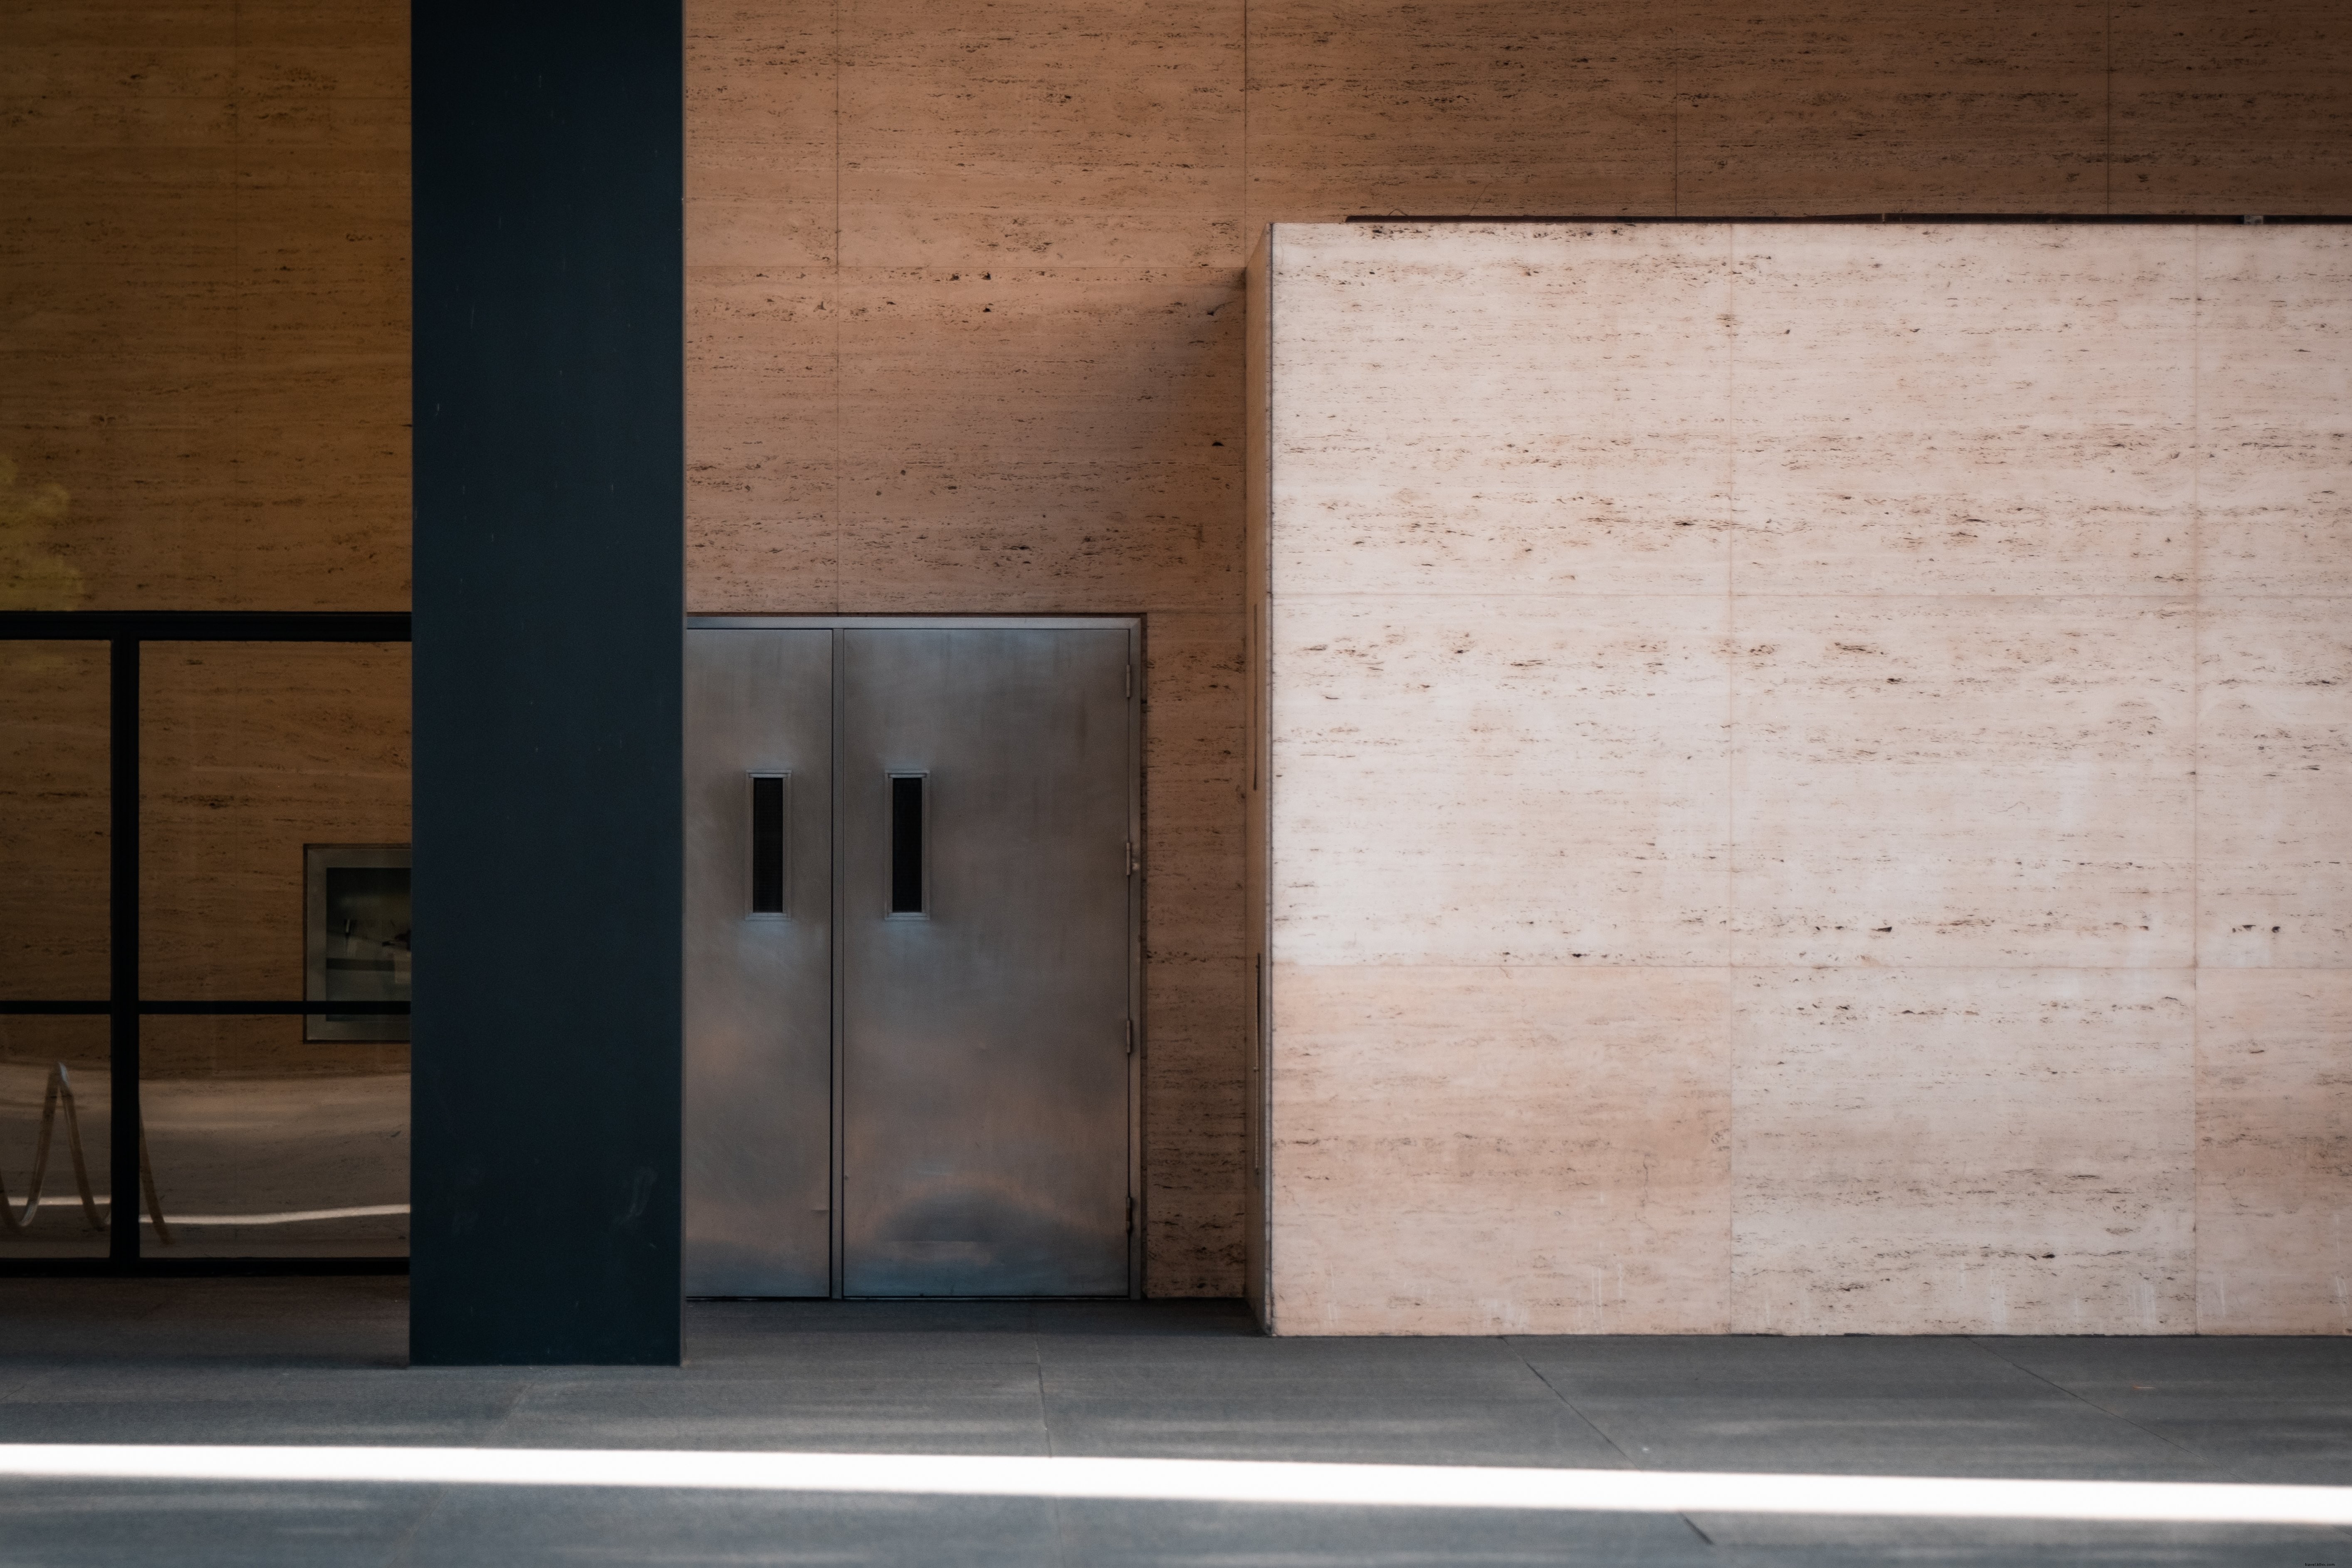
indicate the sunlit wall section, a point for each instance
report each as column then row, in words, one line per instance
column 1810, row 777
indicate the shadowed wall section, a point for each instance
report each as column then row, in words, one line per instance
column 204, row 281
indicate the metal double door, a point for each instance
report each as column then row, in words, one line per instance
column 911, row 909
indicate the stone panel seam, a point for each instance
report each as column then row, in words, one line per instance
column 1731, row 743
column 2107, row 89
column 2196, row 750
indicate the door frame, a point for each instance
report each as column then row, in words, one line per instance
column 1138, row 1216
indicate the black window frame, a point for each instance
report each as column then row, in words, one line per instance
column 124, row 632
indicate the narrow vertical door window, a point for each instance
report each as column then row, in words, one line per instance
column 907, row 844
column 768, row 843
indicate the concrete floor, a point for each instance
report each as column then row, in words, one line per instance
column 320, row 1360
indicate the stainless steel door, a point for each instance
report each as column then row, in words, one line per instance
column 984, row 1007
column 758, row 967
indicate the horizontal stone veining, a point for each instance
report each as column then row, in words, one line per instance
column 1922, row 640
column 2274, row 1152
column 1563, row 1169
column 1515, row 782
column 1958, row 1151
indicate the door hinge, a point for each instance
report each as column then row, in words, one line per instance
column 1131, row 1037
column 1130, row 856
column 1130, row 1214
column 1130, row 678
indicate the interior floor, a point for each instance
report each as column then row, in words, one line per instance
column 322, row 1360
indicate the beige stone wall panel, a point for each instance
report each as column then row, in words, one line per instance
column 2274, row 413
column 762, row 438
column 150, row 513
column 1964, row 1151
column 158, row 209
column 762, row 369
column 1199, row 1007
column 1045, row 134
column 2009, row 417
column 1199, row 1016
column 2274, row 1152
column 348, row 50
column 2230, row 109
column 1461, row 781
column 1849, row 107
column 1565, row 1168
column 1518, row 108
column 1586, row 455
column 1039, row 442
column 2004, row 738
column 762, row 150
column 2275, row 785
column 1964, row 781
column 1193, row 758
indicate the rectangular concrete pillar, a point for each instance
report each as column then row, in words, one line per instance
column 549, row 605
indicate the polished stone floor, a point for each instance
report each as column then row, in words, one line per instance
column 321, row 1360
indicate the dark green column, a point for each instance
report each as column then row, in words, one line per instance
column 549, row 521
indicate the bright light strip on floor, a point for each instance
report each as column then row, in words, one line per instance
column 1200, row 1480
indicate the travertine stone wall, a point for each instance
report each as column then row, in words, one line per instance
column 204, row 304
column 1810, row 778
column 964, row 336
column 964, row 301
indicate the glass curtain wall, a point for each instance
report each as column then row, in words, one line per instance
column 285, row 1135
column 54, row 1084
column 273, row 844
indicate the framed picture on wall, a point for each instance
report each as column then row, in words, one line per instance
column 355, row 924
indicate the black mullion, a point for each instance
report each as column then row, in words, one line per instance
column 122, row 938
column 206, row 626
column 195, row 1268
column 244, row 1009
column 250, row 1009
column 123, row 631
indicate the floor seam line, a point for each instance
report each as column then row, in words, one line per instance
column 2230, row 1471
column 1617, row 1448
column 1554, row 1390
column 1045, row 1427
column 404, row 1545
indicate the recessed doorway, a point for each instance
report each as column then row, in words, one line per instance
column 913, row 899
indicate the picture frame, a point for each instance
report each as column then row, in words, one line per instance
column 356, row 938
